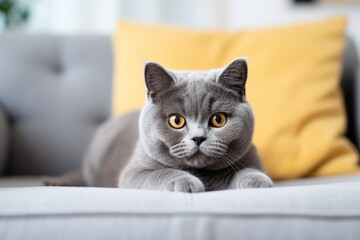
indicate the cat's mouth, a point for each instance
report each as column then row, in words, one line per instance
column 191, row 157
column 196, row 157
column 182, row 150
column 197, row 160
column 197, row 152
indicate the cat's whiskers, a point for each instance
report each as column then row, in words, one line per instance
column 233, row 160
column 234, row 164
column 229, row 163
column 217, row 145
column 234, row 157
column 244, row 160
column 179, row 150
column 220, row 150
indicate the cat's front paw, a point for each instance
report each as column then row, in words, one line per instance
column 189, row 184
column 255, row 179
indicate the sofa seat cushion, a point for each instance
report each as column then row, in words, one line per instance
column 31, row 181
column 319, row 180
column 330, row 211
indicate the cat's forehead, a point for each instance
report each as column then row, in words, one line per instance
column 199, row 97
column 190, row 76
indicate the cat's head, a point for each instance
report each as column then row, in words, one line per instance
column 197, row 119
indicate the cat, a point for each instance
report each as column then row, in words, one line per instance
column 194, row 134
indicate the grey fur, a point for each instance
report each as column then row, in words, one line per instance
column 156, row 156
column 167, row 158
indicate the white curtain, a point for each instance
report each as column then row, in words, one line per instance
column 102, row 16
column 73, row 16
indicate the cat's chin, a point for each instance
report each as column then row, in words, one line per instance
column 198, row 160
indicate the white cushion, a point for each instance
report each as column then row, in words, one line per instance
column 330, row 211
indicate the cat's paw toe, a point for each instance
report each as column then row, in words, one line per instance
column 255, row 180
column 185, row 184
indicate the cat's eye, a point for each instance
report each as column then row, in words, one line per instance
column 218, row 120
column 177, row 121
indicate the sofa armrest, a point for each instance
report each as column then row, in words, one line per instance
column 350, row 83
column 3, row 139
column 357, row 109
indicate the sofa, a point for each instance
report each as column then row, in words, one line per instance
column 56, row 90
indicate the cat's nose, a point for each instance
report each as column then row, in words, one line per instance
column 198, row 140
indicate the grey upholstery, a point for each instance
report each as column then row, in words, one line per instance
column 55, row 91
column 303, row 212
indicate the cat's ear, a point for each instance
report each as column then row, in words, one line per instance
column 157, row 80
column 234, row 76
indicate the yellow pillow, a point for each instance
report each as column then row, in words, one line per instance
column 292, row 86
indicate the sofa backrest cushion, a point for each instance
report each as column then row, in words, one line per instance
column 55, row 91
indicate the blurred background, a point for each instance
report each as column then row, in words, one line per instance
column 51, row 80
column 101, row 16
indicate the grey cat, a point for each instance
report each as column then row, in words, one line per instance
column 194, row 134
